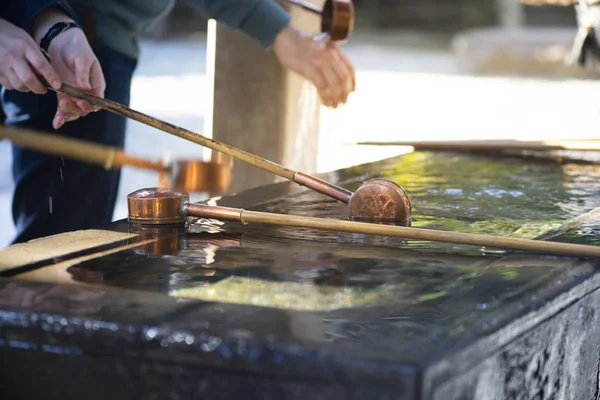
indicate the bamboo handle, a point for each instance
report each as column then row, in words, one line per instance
column 127, row 112
column 233, row 214
column 545, row 145
column 108, row 157
column 313, row 183
column 61, row 146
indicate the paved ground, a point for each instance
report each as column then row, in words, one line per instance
column 404, row 91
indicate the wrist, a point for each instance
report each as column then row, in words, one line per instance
column 46, row 19
column 285, row 37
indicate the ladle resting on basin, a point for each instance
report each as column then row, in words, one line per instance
column 157, row 207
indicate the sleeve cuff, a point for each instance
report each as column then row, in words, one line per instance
column 32, row 9
column 265, row 22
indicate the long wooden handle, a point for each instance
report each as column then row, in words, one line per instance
column 108, row 157
column 234, row 214
column 310, row 182
column 545, row 145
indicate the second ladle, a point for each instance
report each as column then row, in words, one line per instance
column 197, row 176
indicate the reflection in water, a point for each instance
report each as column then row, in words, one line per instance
column 368, row 283
column 290, row 295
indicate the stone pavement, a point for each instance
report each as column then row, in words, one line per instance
column 406, row 91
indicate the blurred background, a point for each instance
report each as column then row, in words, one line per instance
column 426, row 70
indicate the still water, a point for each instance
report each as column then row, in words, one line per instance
column 395, row 283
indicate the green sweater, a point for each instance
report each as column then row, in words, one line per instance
column 119, row 23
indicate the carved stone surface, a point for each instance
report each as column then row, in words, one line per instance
column 556, row 360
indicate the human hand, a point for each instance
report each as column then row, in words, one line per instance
column 76, row 64
column 320, row 61
column 21, row 60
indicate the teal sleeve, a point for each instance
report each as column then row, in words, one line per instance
column 259, row 19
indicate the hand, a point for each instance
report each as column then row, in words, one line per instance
column 75, row 63
column 320, row 61
column 21, row 59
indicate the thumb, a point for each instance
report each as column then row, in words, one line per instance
column 98, row 83
column 82, row 72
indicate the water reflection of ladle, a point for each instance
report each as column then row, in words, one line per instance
column 212, row 176
column 172, row 240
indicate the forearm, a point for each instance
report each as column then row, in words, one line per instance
column 45, row 19
column 262, row 20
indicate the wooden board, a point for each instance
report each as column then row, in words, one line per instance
column 41, row 249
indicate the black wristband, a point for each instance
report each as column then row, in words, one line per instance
column 54, row 31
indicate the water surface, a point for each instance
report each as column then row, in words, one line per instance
column 371, row 288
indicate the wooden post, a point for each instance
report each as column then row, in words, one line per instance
column 511, row 13
column 258, row 106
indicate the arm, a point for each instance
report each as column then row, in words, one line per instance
column 72, row 59
column 23, row 13
column 262, row 20
column 19, row 54
column 318, row 60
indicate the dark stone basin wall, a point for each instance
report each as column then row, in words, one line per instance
column 557, row 360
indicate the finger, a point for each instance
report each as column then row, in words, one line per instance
column 42, row 66
column 325, row 96
column 343, row 77
column 339, row 54
column 71, row 117
column 68, row 104
column 27, row 76
column 74, row 104
column 322, row 78
column 315, row 76
column 333, row 89
column 15, row 82
column 85, row 106
column 61, row 118
column 83, row 66
column 350, row 67
column 58, row 121
column 98, row 83
column 97, row 79
column 5, row 82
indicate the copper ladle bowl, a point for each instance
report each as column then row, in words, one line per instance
column 380, row 200
column 337, row 19
column 193, row 176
